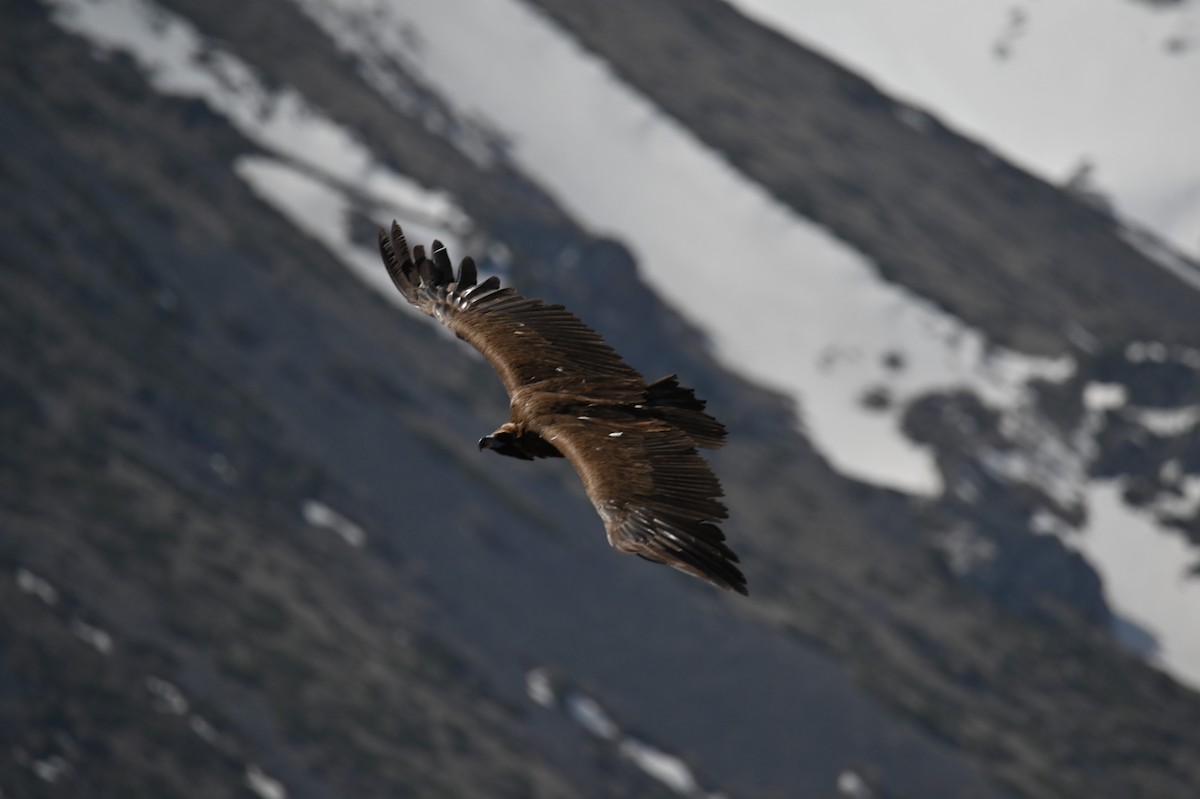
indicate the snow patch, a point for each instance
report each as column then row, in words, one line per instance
column 363, row 32
column 318, row 514
column 588, row 714
column 30, row 583
column 667, row 769
column 1167, row 422
column 1145, row 574
column 204, row 731
column 851, row 785
column 166, row 697
column 1044, row 522
column 324, row 211
column 1104, row 396
column 539, row 687
column 94, row 637
column 265, row 786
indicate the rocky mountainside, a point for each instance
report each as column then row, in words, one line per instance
column 249, row 547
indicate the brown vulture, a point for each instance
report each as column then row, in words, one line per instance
column 633, row 443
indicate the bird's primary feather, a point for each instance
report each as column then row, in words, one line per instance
column 634, row 444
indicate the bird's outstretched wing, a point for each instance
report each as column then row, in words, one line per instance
column 525, row 340
column 658, row 498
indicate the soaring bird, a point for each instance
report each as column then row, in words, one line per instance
column 633, row 443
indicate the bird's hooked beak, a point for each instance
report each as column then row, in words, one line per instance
column 487, row 442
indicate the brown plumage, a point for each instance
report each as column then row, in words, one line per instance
column 633, row 443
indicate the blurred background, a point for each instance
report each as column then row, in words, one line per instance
column 935, row 269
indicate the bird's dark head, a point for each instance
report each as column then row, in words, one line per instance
column 504, row 442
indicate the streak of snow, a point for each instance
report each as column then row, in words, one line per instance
column 318, row 514
column 1171, row 471
column 321, row 209
column 205, row 731
column 362, row 32
column 1104, row 396
column 263, row 785
column 588, row 714
column 1167, row 422
column 94, row 637
column 1074, row 81
column 539, row 687
column 667, row 769
column 828, row 326
column 167, row 698
column 30, row 583
column 321, row 171
column 851, row 785
column 1046, row 523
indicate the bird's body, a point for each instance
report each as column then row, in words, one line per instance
column 633, row 443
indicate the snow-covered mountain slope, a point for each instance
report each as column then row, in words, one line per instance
column 1097, row 95
column 853, row 349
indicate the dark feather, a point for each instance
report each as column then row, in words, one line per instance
column 444, row 270
column 491, row 284
column 466, row 273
